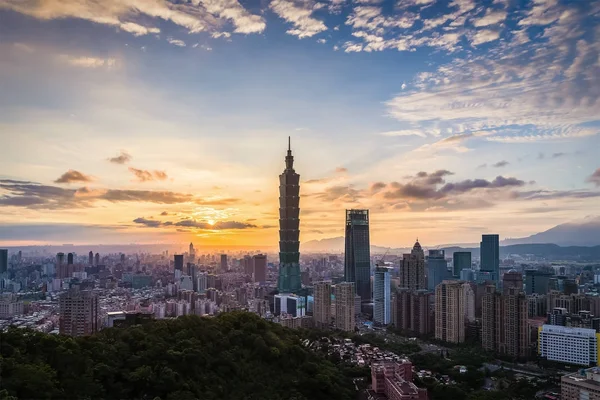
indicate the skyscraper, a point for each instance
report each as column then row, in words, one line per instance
column 70, row 258
column 490, row 255
column 460, row 260
column 60, row 259
column 450, row 310
column 411, row 311
column 344, row 306
column 224, row 267
column 91, row 258
column 178, row 261
column 192, row 251
column 537, row 281
column 259, row 263
column 322, row 308
column 78, row 312
column 3, row 260
column 437, row 268
column 412, row 269
column 381, row 296
column 97, row 259
column 512, row 279
column 289, row 227
column 357, row 265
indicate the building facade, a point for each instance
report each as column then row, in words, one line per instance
column 357, row 263
column 437, row 268
column 381, row 296
column 581, row 385
column 259, row 266
column 344, row 306
column 322, row 306
column 78, row 312
column 490, row 255
column 412, row 312
column 577, row 346
column 412, row 269
column 450, row 311
column 460, row 260
column 289, row 280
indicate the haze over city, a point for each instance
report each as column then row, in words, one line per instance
column 163, row 122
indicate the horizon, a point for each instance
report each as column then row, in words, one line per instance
column 159, row 122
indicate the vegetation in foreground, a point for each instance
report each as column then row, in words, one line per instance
column 233, row 356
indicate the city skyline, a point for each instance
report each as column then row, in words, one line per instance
column 164, row 122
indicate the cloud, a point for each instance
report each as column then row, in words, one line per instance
column 36, row 196
column 191, row 223
column 146, row 176
column 500, row 164
column 217, row 35
column 176, row 42
column 557, row 155
column 405, row 132
column 484, row 36
column 164, row 213
column 491, row 17
column 594, row 178
column 341, row 170
column 73, row 176
column 300, row 14
column 122, row 158
column 138, row 17
column 88, row 62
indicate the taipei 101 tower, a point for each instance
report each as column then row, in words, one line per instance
column 289, row 233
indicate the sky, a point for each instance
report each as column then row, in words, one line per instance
column 157, row 121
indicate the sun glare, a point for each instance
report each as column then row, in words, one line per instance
column 211, row 222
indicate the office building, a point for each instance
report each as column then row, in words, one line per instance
column 437, row 268
column 322, row 306
column 224, row 264
column 489, row 251
column 290, row 304
column 460, row 260
column 393, row 380
column 97, row 259
column 581, row 385
column 381, row 296
column 259, row 265
column 178, row 262
column 60, row 259
column 201, row 282
column 412, row 269
column 357, row 263
column 412, row 311
column 450, row 310
column 78, row 312
column 70, row 257
column 247, row 266
column 289, row 280
column 344, row 306
column 537, row 281
column 512, row 279
column 467, row 275
column 3, row 261
column 192, row 251
column 91, row 258
column 578, row 346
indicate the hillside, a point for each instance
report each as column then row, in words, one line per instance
column 233, row 356
column 578, row 233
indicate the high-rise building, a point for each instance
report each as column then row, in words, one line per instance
column 381, row 296
column 78, row 312
column 322, row 307
column 437, row 268
column 357, row 262
column 537, row 281
column 70, row 258
column 290, row 304
column 246, row 264
column 412, row 269
column 91, row 258
column 412, row 312
column 259, row 262
column 581, row 385
column 178, row 262
column 344, row 306
column 289, row 280
column 60, row 259
column 577, row 346
column 489, row 251
column 512, row 279
column 192, row 252
column 450, row 311
column 224, row 264
column 97, row 259
column 3, row 260
column 460, row 260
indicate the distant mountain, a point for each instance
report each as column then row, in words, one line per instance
column 580, row 233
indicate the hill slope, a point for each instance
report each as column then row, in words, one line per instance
column 233, row 356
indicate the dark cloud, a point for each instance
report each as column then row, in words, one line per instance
column 143, row 175
column 340, row 193
column 482, row 166
column 37, row 196
column 500, row 164
column 73, row 176
column 164, row 213
column 376, row 187
column 594, row 177
column 556, row 155
column 190, row 223
column 556, row 194
column 122, row 158
column 471, row 184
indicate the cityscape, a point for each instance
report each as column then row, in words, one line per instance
column 300, row 200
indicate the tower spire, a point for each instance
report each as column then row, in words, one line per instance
column 289, row 143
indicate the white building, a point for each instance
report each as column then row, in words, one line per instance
column 290, row 304
column 381, row 296
column 202, row 282
column 577, row 346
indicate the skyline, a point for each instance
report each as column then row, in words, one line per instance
column 166, row 123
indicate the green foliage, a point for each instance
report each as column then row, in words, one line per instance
column 233, row 356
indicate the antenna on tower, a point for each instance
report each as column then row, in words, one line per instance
column 289, row 143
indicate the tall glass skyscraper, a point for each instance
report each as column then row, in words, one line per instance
column 3, row 260
column 289, row 227
column 461, row 260
column 381, row 296
column 357, row 265
column 437, row 268
column 490, row 255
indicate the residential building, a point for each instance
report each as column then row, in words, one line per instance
column 344, row 306
column 259, row 265
column 490, row 255
column 460, row 260
column 289, row 280
column 450, row 311
column 537, row 281
column 322, row 306
column 412, row 312
column 412, row 269
column 512, row 279
column 10, row 306
column 224, row 264
column 178, row 262
column 78, row 312
column 393, row 380
column 577, row 346
column 357, row 263
column 581, row 385
column 381, row 296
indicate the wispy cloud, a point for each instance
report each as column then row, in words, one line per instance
column 122, row 158
column 73, row 176
column 88, row 62
column 300, row 14
column 500, row 164
column 176, row 42
column 595, row 177
column 146, row 176
column 194, row 224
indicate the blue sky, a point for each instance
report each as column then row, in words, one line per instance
column 445, row 118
